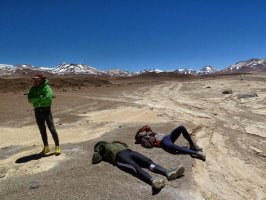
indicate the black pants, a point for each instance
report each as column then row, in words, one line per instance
column 168, row 142
column 43, row 115
column 135, row 161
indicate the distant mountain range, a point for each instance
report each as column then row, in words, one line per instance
column 64, row 69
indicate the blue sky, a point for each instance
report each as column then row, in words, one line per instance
column 132, row 34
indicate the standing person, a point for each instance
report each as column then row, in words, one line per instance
column 119, row 154
column 167, row 142
column 40, row 95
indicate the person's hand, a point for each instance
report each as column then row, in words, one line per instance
column 146, row 128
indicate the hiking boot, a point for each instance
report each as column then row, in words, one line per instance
column 57, row 150
column 46, row 149
column 199, row 155
column 196, row 148
column 174, row 174
column 158, row 184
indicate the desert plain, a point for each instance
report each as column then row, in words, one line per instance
column 225, row 114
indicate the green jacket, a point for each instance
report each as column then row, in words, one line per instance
column 41, row 96
column 107, row 151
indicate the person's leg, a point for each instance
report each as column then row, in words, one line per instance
column 124, row 159
column 50, row 124
column 146, row 162
column 176, row 133
column 168, row 145
column 170, row 174
column 41, row 124
column 181, row 129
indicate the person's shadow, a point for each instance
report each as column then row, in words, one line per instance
column 38, row 156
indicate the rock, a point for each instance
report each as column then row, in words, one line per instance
column 34, row 185
column 2, row 175
column 262, row 155
column 227, row 91
column 247, row 95
column 258, row 151
column 258, row 130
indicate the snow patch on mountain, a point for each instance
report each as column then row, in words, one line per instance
column 68, row 68
column 251, row 64
column 207, row 70
column 118, row 73
column 150, row 70
column 185, row 71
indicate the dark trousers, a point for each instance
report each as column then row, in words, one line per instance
column 42, row 116
column 168, row 142
column 134, row 161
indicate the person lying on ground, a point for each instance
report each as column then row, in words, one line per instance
column 151, row 139
column 119, row 154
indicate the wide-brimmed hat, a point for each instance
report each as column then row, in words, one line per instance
column 38, row 76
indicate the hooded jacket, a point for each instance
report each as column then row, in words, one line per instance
column 104, row 151
column 41, row 96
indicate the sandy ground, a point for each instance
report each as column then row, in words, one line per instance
column 231, row 130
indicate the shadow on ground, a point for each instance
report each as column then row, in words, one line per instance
column 38, row 156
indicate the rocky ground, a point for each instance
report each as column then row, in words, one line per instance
column 225, row 114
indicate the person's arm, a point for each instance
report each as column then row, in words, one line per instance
column 31, row 97
column 48, row 94
column 116, row 141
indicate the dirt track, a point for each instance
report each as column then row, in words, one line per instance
column 231, row 130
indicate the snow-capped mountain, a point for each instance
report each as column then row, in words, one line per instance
column 150, row 70
column 68, row 68
column 185, row 71
column 118, row 72
column 207, row 70
column 20, row 70
column 247, row 66
column 6, row 69
column 252, row 65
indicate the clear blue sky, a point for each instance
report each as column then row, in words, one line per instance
column 132, row 34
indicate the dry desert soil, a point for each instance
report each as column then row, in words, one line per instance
column 226, row 116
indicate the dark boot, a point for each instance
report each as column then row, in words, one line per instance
column 196, row 147
column 200, row 155
column 170, row 174
column 158, row 184
column 174, row 174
